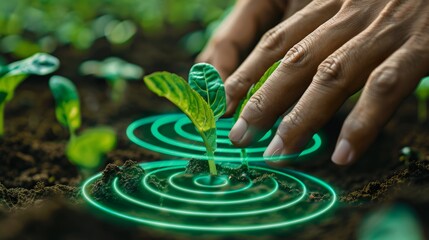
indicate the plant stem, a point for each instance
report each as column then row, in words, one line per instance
column 212, row 165
column 422, row 110
column 210, row 155
column 2, row 106
column 244, row 157
column 72, row 133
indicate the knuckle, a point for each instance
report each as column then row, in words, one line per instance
column 298, row 54
column 239, row 82
column 384, row 81
column 256, row 104
column 272, row 40
column 329, row 73
column 292, row 120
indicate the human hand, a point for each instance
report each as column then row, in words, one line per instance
column 331, row 49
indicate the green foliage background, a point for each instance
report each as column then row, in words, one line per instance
column 29, row 26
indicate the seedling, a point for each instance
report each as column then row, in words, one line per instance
column 86, row 150
column 13, row 74
column 116, row 72
column 250, row 93
column 422, row 93
column 67, row 108
column 202, row 100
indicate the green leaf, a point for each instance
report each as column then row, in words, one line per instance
column 422, row 91
column 67, row 108
column 3, row 96
column 112, row 69
column 9, row 82
column 175, row 89
column 256, row 87
column 38, row 64
column 205, row 80
column 88, row 149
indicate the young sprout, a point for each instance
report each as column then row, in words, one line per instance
column 250, row 93
column 85, row 150
column 116, row 72
column 88, row 149
column 422, row 93
column 67, row 109
column 202, row 100
column 13, row 74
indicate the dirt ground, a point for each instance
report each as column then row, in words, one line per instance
column 39, row 188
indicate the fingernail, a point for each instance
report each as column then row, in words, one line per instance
column 238, row 130
column 275, row 147
column 343, row 153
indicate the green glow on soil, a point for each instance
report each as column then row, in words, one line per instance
column 173, row 134
column 207, row 181
column 198, row 201
column 187, row 205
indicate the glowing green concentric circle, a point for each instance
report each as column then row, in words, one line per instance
column 222, row 131
column 193, row 219
column 217, row 192
column 205, row 181
column 171, row 141
column 165, row 134
column 197, row 201
column 203, row 213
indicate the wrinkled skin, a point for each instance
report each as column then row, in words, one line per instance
column 330, row 49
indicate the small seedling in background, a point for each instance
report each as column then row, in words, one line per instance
column 396, row 222
column 422, row 93
column 408, row 155
column 13, row 74
column 116, row 72
column 88, row 149
column 202, row 100
column 250, row 93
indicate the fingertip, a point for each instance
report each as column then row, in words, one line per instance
column 238, row 130
column 344, row 153
column 275, row 147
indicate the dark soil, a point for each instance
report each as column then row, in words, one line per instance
column 39, row 188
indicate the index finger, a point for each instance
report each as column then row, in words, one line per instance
column 236, row 35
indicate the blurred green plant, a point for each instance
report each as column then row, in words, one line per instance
column 67, row 109
column 396, row 222
column 29, row 26
column 422, row 93
column 13, row 74
column 86, row 150
column 116, row 72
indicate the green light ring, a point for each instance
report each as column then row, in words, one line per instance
column 160, row 122
column 223, row 123
column 207, row 186
column 178, row 127
column 202, row 213
column 164, row 150
column 154, row 223
column 171, row 181
column 222, row 133
column 194, row 201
